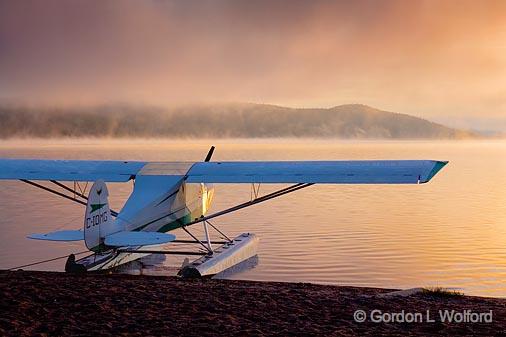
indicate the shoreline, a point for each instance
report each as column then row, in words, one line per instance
column 55, row 303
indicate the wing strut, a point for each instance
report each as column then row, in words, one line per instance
column 269, row 196
column 63, row 195
column 65, row 187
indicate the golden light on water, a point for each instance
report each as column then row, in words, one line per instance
column 449, row 232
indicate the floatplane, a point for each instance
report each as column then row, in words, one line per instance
column 177, row 195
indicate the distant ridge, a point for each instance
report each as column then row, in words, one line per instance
column 234, row 120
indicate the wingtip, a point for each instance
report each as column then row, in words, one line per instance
column 438, row 165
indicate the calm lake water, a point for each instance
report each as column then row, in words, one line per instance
column 450, row 232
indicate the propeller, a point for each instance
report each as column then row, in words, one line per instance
column 209, row 154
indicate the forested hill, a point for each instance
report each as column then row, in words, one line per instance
column 222, row 121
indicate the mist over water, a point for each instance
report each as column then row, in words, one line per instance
column 225, row 120
column 450, row 232
column 434, row 59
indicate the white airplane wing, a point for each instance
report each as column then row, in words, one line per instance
column 69, row 170
column 323, row 172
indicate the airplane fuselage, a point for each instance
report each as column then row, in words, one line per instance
column 179, row 205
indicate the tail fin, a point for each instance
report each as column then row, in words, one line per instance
column 98, row 221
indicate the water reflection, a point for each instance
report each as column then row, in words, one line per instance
column 450, row 232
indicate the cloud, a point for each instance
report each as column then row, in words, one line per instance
column 428, row 58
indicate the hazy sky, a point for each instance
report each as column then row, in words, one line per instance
column 444, row 60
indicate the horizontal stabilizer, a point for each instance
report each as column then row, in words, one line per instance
column 121, row 239
column 67, row 235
